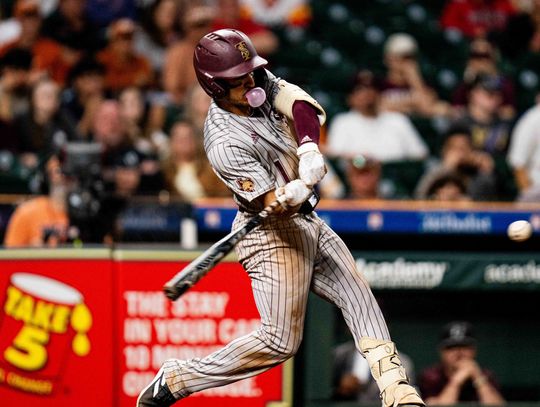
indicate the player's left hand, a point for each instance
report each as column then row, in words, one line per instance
column 311, row 168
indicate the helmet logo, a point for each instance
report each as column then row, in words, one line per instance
column 244, row 51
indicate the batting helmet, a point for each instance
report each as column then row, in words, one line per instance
column 224, row 54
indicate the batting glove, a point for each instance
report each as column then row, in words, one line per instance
column 311, row 167
column 294, row 193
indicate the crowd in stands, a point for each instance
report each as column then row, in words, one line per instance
column 121, row 75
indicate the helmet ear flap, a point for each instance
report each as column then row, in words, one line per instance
column 212, row 86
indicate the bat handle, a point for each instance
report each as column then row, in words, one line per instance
column 279, row 201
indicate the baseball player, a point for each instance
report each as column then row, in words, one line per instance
column 261, row 136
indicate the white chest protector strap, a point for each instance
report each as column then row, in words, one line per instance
column 288, row 94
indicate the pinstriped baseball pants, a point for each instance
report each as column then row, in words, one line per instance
column 285, row 259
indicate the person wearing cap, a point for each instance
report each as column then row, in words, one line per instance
column 124, row 67
column 366, row 130
column 404, row 89
column 489, row 131
column 482, row 60
column 178, row 73
column 458, row 377
column 363, row 178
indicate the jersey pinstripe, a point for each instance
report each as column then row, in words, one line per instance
column 285, row 257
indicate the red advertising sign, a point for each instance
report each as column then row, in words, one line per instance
column 89, row 330
column 217, row 310
column 55, row 332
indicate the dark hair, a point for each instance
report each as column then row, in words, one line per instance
column 17, row 58
column 445, row 179
column 87, row 65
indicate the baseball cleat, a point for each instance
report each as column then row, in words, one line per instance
column 157, row 393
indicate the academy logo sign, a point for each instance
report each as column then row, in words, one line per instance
column 43, row 321
column 401, row 273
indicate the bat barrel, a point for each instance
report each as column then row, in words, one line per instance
column 174, row 291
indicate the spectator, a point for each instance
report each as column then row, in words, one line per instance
column 133, row 112
column 524, row 152
column 178, row 72
column 85, row 93
column 458, row 377
column 123, row 65
column 476, row 18
column 110, row 131
column 352, row 380
column 187, row 171
column 47, row 55
column 229, row 15
column 70, row 26
column 489, row 131
column 45, row 128
column 448, row 186
column 475, row 169
column 278, row 13
column 363, row 178
column 127, row 174
column 404, row 89
column 364, row 129
column 43, row 220
column 14, row 72
column 14, row 80
column 197, row 105
column 483, row 58
column 159, row 29
column 522, row 33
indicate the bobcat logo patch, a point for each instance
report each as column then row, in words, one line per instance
column 242, row 47
column 246, row 184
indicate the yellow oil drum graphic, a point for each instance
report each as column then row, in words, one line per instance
column 44, row 322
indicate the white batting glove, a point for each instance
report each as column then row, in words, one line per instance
column 311, row 167
column 294, row 193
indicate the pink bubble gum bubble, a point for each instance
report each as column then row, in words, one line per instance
column 256, row 97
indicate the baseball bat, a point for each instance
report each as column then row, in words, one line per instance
column 199, row 267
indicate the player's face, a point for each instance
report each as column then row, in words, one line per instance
column 236, row 101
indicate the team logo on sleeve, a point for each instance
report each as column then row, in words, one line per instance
column 244, row 51
column 246, row 184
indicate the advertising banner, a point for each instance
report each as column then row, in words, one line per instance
column 55, row 329
column 450, row 271
column 153, row 329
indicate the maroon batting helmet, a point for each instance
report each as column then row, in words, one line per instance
column 224, row 54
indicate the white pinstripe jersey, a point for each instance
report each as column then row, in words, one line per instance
column 252, row 155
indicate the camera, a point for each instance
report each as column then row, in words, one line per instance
column 91, row 210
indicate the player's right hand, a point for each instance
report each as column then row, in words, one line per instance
column 294, row 193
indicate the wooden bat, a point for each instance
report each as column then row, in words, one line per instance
column 199, row 267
